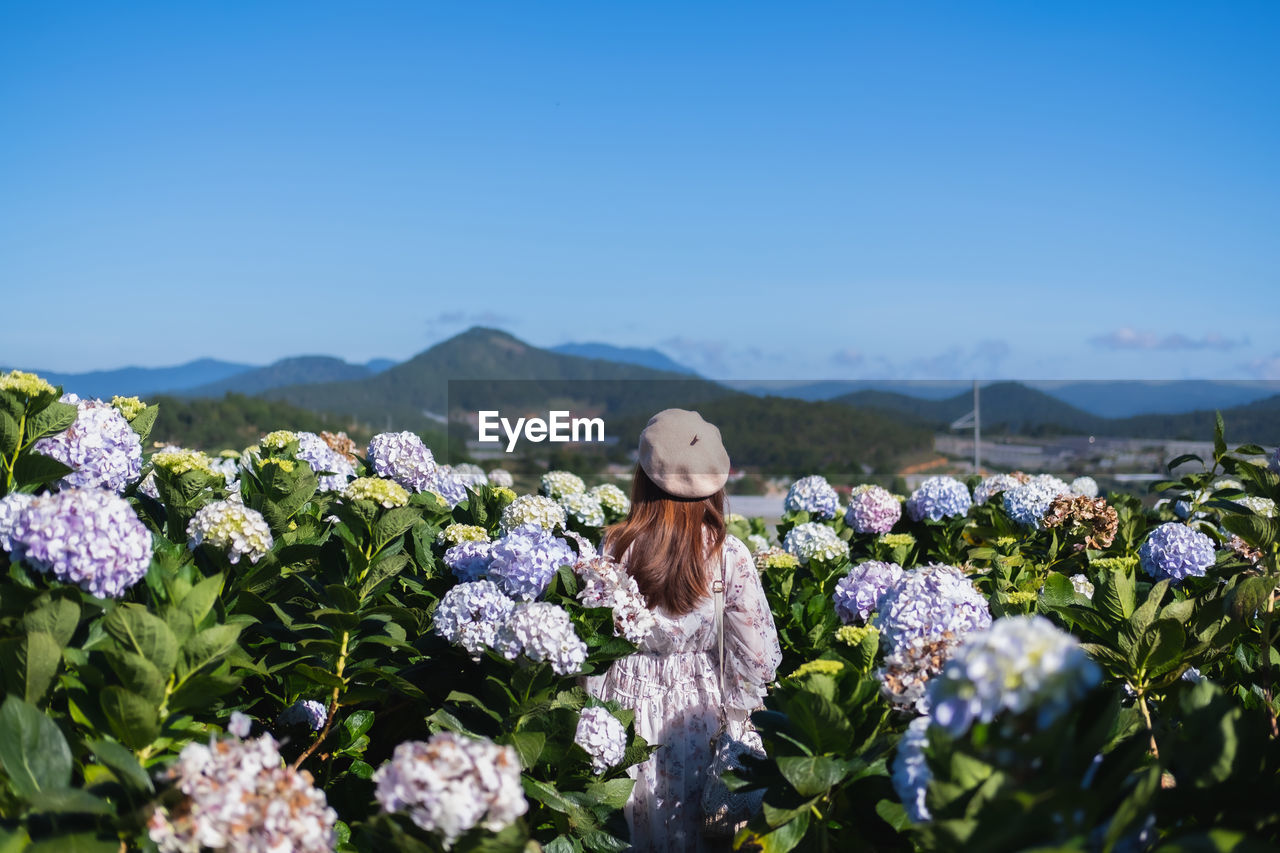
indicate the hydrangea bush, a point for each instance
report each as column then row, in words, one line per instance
column 395, row 658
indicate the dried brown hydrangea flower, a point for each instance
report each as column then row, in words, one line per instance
column 1098, row 520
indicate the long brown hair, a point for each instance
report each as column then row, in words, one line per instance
column 667, row 538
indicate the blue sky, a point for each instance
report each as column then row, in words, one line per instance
column 763, row 190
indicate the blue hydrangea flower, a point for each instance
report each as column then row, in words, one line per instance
column 469, row 560
column 872, row 510
column 88, row 537
column 911, row 774
column 401, row 456
column 100, row 447
column 1018, row 664
column 813, row 495
column 304, row 712
column 525, row 560
column 858, row 593
column 1175, row 551
column 542, row 631
column 928, row 603
column 939, row 498
column 1027, row 502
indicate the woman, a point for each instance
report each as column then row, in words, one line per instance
column 675, row 545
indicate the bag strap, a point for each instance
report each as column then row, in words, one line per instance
column 717, row 589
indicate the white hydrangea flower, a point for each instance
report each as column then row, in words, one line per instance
column 1019, row 664
column 603, row 737
column 1086, row 486
column 811, row 540
column 532, row 509
column 1082, row 586
column 584, row 508
column 501, row 477
column 231, row 527
column 542, row 631
column 615, row 502
column 240, row 796
column 605, row 583
column 1264, row 507
column 386, row 493
column 450, row 784
column 757, row 543
column 557, row 484
column 455, row 534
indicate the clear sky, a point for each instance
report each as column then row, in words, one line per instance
column 765, row 190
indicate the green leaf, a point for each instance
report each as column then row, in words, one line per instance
column 68, row 801
column 207, row 646
column 133, row 719
column 1219, row 436
column 1249, row 596
column 55, row 418
column 200, row 600
column 80, row 842
column 137, row 674
column 10, row 434
column 33, row 751
column 33, row 469
column 1160, row 647
column 1058, row 591
column 123, row 762
column 357, row 723
column 385, row 567
column 55, row 612
column 812, row 775
column 1183, row 459
column 780, row 840
column 140, row 632
column 529, row 745
column 320, row 676
column 30, row 664
column 145, row 420
column 199, row 691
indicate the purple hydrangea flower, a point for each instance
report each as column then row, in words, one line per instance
column 872, row 510
column 448, row 485
column 928, row 602
column 88, row 537
column 100, row 447
column 939, row 498
column 401, row 456
column 858, row 593
column 1177, row 552
column 469, row 560
column 313, row 450
column 813, row 495
column 542, row 631
column 525, row 560
column 11, row 505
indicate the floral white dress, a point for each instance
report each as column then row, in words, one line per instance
column 673, row 685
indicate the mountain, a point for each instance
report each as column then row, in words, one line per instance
column 235, row 421
column 377, row 365
column 300, row 370
column 1128, row 398
column 504, row 372
column 643, row 357
column 144, row 381
column 1006, row 407
column 829, row 389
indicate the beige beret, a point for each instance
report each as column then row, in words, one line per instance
column 683, row 454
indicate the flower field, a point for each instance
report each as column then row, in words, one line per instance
column 310, row 645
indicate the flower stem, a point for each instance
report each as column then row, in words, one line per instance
column 1146, row 718
column 333, row 704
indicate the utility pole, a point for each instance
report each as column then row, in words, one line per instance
column 977, row 430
